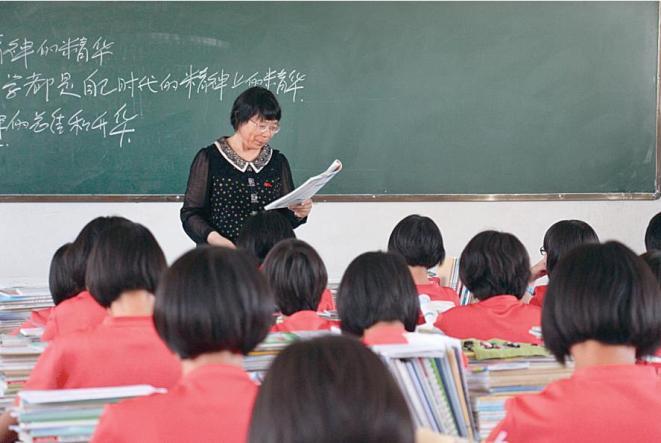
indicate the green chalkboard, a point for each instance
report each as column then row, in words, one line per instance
column 415, row 98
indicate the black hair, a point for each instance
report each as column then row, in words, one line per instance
column 564, row 236
column 261, row 231
column 653, row 233
column 494, row 263
column 213, row 299
column 376, row 287
column 418, row 240
column 653, row 260
column 327, row 390
column 297, row 276
column 60, row 278
column 81, row 247
column 125, row 257
column 602, row 292
column 255, row 101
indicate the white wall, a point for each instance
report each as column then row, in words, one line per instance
column 30, row 232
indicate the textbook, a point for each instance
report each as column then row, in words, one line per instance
column 307, row 189
column 18, row 355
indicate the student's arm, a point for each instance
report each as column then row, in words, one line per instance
column 6, row 435
column 50, row 371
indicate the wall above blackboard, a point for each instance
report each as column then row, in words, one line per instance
column 420, row 100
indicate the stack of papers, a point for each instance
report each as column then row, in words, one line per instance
column 491, row 382
column 16, row 303
column 68, row 415
column 18, row 355
column 308, row 189
column 430, row 372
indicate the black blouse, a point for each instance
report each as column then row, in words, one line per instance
column 224, row 190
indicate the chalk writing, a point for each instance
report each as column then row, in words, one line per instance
column 75, row 49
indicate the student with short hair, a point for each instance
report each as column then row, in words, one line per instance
column 80, row 311
column 653, row 234
column 261, row 231
column 653, row 260
column 297, row 276
column 377, row 299
column 418, row 239
column 494, row 266
column 330, row 389
column 603, row 309
column 559, row 239
column 212, row 309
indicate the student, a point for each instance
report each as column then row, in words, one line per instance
column 81, row 311
column 330, row 389
column 60, row 284
column 230, row 313
column 298, row 278
column 653, row 234
column 653, row 260
column 262, row 231
column 559, row 239
column 603, row 309
column 377, row 299
column 494, row 266
column 420, row 242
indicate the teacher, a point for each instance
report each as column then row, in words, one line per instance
column 238, row 175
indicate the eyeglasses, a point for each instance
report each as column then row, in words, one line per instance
column 263, row 127
column 542, row 250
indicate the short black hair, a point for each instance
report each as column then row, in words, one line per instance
column 494, row 263
column 261, row 231
column 602, row 292
column 255, row 101
column 564, row 236
column 653, row 260
column 81, row 247
column 653, row 233
column 377, row 286
column 297, row 276
column 330, row 389
column 125, row 257
column 60, row 278
column 418, row 240
column 213, row 299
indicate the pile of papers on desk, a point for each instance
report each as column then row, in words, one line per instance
column 18, row 355
column 16, row 303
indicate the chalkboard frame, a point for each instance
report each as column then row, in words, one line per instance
column 609, row 196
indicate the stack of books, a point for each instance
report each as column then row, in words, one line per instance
column 16, row 303
column 68, row 415
column 499, row 370
column 429, row 370
column 18, row 355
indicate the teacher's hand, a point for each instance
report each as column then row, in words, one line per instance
column 302, row 210
column 216, row 239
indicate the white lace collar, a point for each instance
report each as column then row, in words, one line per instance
column 235, row 160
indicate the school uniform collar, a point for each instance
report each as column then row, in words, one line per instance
column 612, row 372
column 384, row 331
column 207, row 372
column 500, row 301
column 142, row 320
column 237, row 162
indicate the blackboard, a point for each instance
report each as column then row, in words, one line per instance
column 417, row 99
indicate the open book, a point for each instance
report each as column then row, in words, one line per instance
column 307, row 189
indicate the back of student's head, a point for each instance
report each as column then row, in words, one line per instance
column 494, row 263
column 653, row 233
column 604, row 293
column 213, row 299
column 418, row 240
column 564, row 236
column 377, row 287
column 81, row 248
column 60, row 278
column 653, row 260
column 327, row 390
column 262, row 231
column 297, row 276
column 125, row 257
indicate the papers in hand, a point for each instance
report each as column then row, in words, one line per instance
column 307, row 189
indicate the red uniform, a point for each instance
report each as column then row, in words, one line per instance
column 302, row 321
column 326, row 303
column 211, row 403
column 74, row 314
column 38, row 319
column 614, row 403
column 436, row 292
column 120, row 351
column 501, row 316
column 538, row 296
column 385, row 335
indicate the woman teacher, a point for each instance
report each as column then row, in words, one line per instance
column 238, row 175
